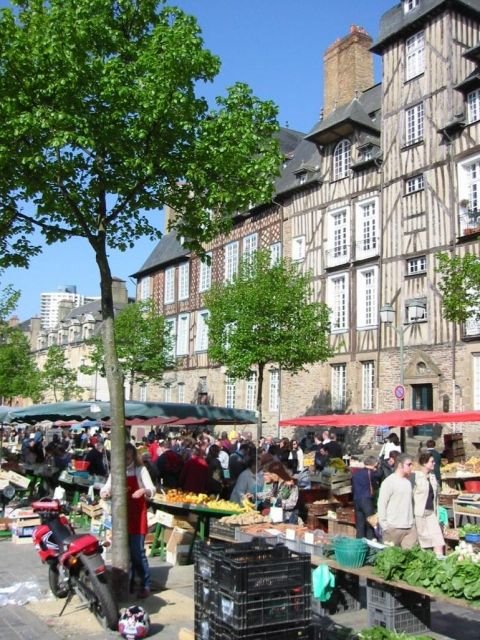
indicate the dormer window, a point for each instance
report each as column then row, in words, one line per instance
column 342, row 158
column 409, row 5
column 302, row 177
column 473, row 106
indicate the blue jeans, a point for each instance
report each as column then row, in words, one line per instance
column 138, row 560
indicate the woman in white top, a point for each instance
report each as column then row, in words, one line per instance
column 392, row 444
column 139, row 488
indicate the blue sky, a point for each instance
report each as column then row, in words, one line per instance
column 277, row 47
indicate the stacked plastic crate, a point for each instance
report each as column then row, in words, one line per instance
column 252, row 592
column 396, row 609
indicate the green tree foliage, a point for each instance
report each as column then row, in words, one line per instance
column 460, row 286
column 19, row 376
column 58, row 378
column 144, row 344
column 266, row 315
column 101, row 121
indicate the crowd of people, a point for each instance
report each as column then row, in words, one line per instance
column 233, row 467
column 403, row 500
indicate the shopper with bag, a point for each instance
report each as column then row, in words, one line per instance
column 364, row 485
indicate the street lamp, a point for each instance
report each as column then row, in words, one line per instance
column 416, row 312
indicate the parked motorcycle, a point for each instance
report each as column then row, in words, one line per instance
column 75, row 563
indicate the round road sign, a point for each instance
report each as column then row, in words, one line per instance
column 399, row 392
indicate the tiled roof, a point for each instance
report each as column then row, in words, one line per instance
column 168, row 250
column 348, row 117
column 395, row 23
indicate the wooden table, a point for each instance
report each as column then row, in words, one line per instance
column 202, row 524
column 368, row 574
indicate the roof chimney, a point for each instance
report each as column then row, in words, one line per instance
column 348, row 68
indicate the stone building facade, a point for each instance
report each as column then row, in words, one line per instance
column 387, row 179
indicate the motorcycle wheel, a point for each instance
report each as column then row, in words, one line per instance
column 98, row 594
column 59, row 591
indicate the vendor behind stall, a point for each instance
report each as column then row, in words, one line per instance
column 280, row 490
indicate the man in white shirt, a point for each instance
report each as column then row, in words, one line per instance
column 395, row 506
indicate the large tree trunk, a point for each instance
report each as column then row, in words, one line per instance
column 114, row 374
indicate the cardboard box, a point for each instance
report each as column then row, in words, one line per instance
column 18, row 480
column 172, row 521
column 21, row 539
column 178, row 546
column 5, row 524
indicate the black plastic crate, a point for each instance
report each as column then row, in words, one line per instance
column 204, row 558
column 221, row 631
column 391, row 599
column 347, row 595
column 204, row 594
column 263, row 608
column 271, row 568
column 415, row 619
column 204, row 626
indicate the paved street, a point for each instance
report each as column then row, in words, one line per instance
column 170, row 607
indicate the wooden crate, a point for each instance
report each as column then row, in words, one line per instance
column 93, row 511
column 336, row 528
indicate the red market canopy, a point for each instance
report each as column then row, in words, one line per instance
column 156, row 421
column 399, row 418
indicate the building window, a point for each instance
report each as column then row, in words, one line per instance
column 340, row 235
column 171, row 326
column 183, row 281
column 368, row 385
column 415, row 55
column 169, row 293
column 298, row 248
column 251, row 392
column 339, row 387
column 183, row 334
column 206, row 274
column 367, row 234
column 274, row 390
column 414, row 124
column 409, row 5
column 473, row 106
column 415, row 183
column 167, row 394
column 180, row 392
column 230, row 392
column 143, row 393
column 275, row 253
column 416, row 265
column 342, row 157
column 476, row 381
column 473, row 178
column 144, row 289
column 472, row 323
column 201, row 339
column 337, row 296
column 367, row 297
column 231, row 260
column 250, row 244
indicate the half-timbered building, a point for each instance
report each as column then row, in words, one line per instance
column 389, row 177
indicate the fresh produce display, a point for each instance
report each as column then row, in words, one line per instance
column 223, row 505
column 468, row 528
column 177, row 496
column 380, row 633
column 457, row 575
column 449, row 491
column 337, row 464
column 252, row 517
